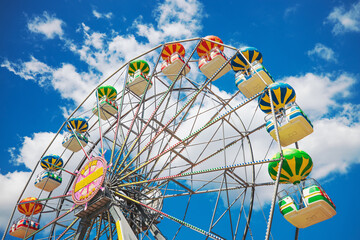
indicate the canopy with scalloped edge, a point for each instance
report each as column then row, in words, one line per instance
column 206, row 46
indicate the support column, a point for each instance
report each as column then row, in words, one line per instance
column 268, row 229
column 297, row 229
column 123, row 228
column 156, row 232
column 81, row 231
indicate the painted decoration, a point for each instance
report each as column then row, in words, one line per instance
column 206, row 46
column 139, row 64
column 171, row 48
column 241, row 59
column 108, row 91
column 51, row 162
column 281, row 93
column 29, row 208
column 89, row 180
column 297, row 166
column 79, row 125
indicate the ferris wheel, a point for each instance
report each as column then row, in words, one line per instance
column 158, row 151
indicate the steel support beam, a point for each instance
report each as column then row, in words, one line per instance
column 123, row 228
column 83, row 226
column 156, row 232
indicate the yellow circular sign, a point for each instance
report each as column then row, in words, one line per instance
column 89, row 180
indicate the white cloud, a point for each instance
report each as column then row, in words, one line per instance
column 333, row 144
column 291, row 10
column 174, row 20
column 177, row 19
column 86, row 28
column 32, row 149
column 48, row 25
column 93, row 39
column 179, row 11
column 102, row 15
column 30, row 70
column 65, row 79
column 318, row 94
column 11, row 185
column 105, row 53
column 324, row 52
column 345, row 21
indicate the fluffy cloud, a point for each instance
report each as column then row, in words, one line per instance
column 102, row 15
column 345, row 21
column 181, row 16
column 333, row 146
column 104, row 53
column 70, row 84
column 11, row 185
column 336, row 134
column 174, row 20
column 324, row 52
column 50, row 26
column 30, row 70
column 33, row 147
column 291, row 10
column 318, row 95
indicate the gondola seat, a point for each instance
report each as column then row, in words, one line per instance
column 209, row 64
column 48, row 181
column 172, row 67
column 296, row 127
column 138, row 82
column 23, row 228
column 253, row 83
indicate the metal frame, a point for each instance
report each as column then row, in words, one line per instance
column 148, row 131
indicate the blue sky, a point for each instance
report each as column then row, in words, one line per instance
column 52, row 53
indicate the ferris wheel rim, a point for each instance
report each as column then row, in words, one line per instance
column 84, row 158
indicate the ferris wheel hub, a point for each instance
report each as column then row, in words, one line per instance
column 89, row 180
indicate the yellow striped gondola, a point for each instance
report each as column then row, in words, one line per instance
column 171, row 48
column 79, row 125
column 51, row 162
column 206, row 46
column 246, row 55
column 281, row 93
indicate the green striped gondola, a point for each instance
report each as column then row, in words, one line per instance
column 108, row 91
column 297, row 166
column 139, row 64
